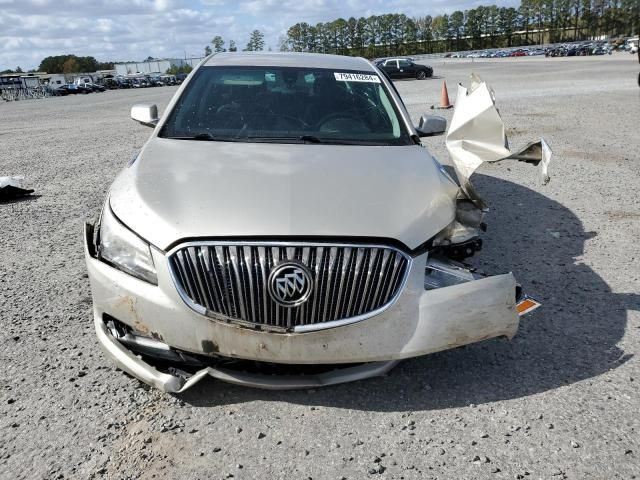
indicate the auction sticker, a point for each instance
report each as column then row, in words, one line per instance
column 356, row 77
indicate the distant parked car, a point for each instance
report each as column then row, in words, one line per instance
column 139, row 83
column 111, row 83
column 168, row 79
column 73, row 89
column 59, row 91
column 602, row 50
column 155, row 81
column 405, row 68
column 92, row 87
column 518, row 53
column 84, row 89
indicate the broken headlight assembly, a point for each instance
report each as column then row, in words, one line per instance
column 123, row 249
column 444, row 273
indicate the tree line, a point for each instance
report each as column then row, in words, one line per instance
column 533, row 22
column 255, row 43
column 72, row 64
column 67, row 64
column 10, row 70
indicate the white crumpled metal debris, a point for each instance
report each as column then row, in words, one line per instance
column 11, row 182
column 11, row 188
column 477, row 134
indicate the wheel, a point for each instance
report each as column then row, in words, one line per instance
column 421, row 75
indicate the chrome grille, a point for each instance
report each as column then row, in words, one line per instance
column 228, row 281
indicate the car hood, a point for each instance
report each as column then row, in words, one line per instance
column 179, row 189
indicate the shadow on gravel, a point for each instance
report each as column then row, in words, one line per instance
column 26, row 198
column 572, row 337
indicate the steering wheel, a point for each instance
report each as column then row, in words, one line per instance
column 287, row 118
column 234, row 109
column 336, row 116
column 229, row 108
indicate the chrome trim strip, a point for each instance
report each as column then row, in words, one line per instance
column 274, row 245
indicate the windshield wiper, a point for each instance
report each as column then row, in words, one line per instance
column 283, row 139
column 312, row 139
column 206, row 137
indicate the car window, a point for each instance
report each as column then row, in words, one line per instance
column 286, row 104
column 404, row 63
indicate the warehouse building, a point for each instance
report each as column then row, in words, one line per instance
column 154, row 66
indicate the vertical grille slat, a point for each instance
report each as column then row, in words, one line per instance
column 212, row 279
column 236, row 280
column 317, row 277
column 192, row 276
column 226, row 289
column 183, row 276
column 331, row 262
column 348, row 282
column 392, row 278
column 354, row 282
column 375, row 281
column 231, row 281
column 344, row 262
column 210, row 299
column 387, row 260
column 303, row 311
column 371, row 254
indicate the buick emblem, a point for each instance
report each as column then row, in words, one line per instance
column 290, row 284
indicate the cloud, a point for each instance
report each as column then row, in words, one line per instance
column 134, row 29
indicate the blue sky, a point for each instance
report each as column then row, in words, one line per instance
column 134, row 29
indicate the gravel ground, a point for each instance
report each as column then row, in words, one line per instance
column 558, row 401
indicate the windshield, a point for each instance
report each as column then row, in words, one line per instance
column 286, row 104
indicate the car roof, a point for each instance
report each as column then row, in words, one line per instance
column 289, row 59
column 393, row 59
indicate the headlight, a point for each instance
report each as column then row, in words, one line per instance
column 123, row 249
column 440, row 274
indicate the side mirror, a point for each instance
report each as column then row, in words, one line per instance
column 431, row 125
column 146, row 114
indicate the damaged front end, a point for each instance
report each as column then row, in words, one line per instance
column 476, row 135
column 174, row 371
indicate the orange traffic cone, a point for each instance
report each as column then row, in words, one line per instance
column 444, row 97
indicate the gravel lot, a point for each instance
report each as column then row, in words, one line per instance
column 558, row 401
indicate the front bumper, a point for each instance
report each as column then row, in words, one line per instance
column 419, row 322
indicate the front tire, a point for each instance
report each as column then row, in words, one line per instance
column 421, row 75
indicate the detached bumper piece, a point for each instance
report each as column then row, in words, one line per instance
column 441, row 272
column 115, row 344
